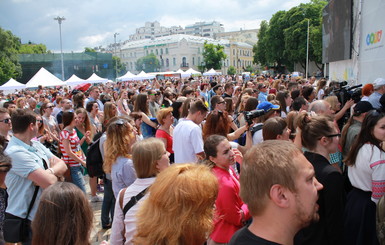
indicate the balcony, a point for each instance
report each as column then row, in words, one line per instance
column 184, row 65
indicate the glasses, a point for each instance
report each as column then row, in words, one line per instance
column 39, row 121
column 50, row 106
column 221, row 102
column 7, row 120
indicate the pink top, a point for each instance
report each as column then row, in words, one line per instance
column 228, row 206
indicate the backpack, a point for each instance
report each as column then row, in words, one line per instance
column 94, row 160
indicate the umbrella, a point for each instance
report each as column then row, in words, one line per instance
column 83, row 87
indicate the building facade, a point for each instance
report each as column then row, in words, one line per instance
column 152, row 30
column 204, row 29
column 246, row 36
column 184, row 51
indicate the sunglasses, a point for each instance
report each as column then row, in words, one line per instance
column 7, row 120
column 39, row 121
column 50, row 106
column 221, row 102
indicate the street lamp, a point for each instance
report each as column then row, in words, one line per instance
column 116, row 60
column 59, row 20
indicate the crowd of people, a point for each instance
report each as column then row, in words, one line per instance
column 206, row 160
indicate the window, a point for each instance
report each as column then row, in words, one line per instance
column 193, row 61
column 156, row 51
column 161, row 51
column 184, row 62
column 166, row 50
column 173, row 61
column 167, row 63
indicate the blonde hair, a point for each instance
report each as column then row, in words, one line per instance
column 145, row 154
column 87, row 122
column 120, row 137
column 333, row 101
column 163, row 113
column 179, row 209
column 274, row 165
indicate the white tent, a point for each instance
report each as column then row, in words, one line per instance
column 44, row 78
column 212, row 72
column 127, row 77
column 190, row 72
column 144, row 76
column 96, row 79
column 180, row 71
column 74, row 80
column 12, row 84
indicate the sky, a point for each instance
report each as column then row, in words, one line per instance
column 92, row 23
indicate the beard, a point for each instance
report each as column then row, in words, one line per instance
column 304, row 216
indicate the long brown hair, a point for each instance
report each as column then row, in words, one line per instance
column 64, row 216
column 217, row 122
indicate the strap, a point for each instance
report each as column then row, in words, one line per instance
column 36, row 191
column 33, row 200
column 121, row 196
column 133, row 201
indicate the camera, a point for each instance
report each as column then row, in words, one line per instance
column 250, row 115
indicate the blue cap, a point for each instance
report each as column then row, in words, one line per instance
column 267, row 106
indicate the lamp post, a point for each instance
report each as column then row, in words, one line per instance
column 116, row 60
column 307, row 48
column 60, row 20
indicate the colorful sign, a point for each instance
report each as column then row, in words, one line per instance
column 373, row 38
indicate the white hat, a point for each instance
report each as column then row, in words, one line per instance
column 378, row 83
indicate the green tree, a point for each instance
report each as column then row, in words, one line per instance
column 231, row 70
column 121, row 68
column 31, row 48
column 275, row 42
column 259, row 49
column 90, row 50
column 148, row 63
column 296, row 33
column 9, row 47
column 249, row 69
column 213, row 55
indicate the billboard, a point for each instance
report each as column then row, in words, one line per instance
column 372, row 43
column 337, row 30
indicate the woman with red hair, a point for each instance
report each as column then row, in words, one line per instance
column 367, row 90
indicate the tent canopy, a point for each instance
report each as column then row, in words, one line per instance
column 44, row 78
column 96, row 79
column 74, row 80
column 127, row 77
column 12, row 84
column 144, row 76
column 212, row 72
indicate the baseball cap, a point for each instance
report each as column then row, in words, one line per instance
column 362, row 107
column 267, row 106
column 378, row 83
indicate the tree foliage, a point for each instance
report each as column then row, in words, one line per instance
column 213, row 55
column 31, row 48
column 259, row 49
column 283, row 41
column 117, row 62
column 9, row 47
column 148, row 63
column 91, row 50
column 231, row 70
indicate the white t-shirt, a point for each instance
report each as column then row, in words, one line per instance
column 187, row 141
column 320, row 94
column 258, row 137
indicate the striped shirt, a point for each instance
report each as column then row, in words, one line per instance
column 74, row 144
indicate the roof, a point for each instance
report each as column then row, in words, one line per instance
column 176, row 39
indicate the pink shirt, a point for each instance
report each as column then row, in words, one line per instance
column 228, row 206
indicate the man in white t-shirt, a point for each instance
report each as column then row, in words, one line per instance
column 188, row 141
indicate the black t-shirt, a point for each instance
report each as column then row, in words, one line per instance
column 246, row 237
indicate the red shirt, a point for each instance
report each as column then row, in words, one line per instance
column 163, row 134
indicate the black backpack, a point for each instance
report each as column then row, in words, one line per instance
column 94, row 160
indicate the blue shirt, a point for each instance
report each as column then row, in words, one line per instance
column 122, row 174
column 100, row 104
column 262, row 96
column 25, row 159
column 374, row 99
